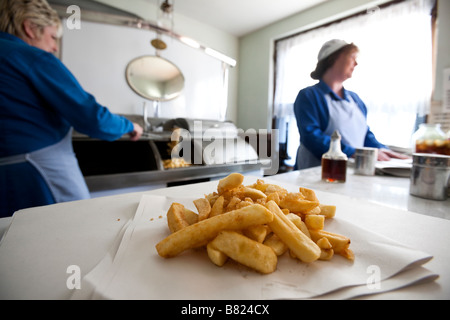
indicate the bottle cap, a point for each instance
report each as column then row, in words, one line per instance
column 335, row 135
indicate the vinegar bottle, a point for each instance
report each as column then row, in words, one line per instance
column 334, row 162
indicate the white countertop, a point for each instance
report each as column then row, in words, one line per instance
column 385, row 190
column 41, row 243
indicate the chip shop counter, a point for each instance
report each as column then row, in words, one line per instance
column 41, row 244
column 386, row 190
column 168, row 177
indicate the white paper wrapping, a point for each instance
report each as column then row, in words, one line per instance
column 134, row 270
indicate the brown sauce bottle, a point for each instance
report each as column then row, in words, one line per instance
column 334, row 162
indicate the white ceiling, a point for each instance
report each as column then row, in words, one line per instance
column 239, row 17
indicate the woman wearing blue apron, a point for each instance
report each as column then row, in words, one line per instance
column 327, row 106
column 40, row 104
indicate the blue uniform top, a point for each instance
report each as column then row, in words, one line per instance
column 40, row 100
column 313, row 118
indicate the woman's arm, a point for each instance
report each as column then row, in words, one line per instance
column 63, row 93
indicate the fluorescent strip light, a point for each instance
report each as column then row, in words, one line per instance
column 190, row 42
column 220, row 56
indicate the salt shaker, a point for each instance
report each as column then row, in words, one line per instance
column 430, row 176
column 365, row 161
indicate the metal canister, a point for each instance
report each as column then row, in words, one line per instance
column 430, row 176
column 365, row 161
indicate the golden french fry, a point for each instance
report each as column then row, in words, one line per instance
column 308, row 194
column 315, row 222
column 326, row 254
column 246, row 251
column 232, row 181
column 296, row 204
column 293, row 217
column 295, row 196
column 328, row 211
column 217, row 207
column 338, row 242
column 348, row 253
column 274, row 196
column 302, row 246
column 253, row 225
column 245, row 203
column 232, row 204
column 315, row 210
column 271, row 188
column 200, row 233
column 292, row 254
column 212, row 197
column 324, row 243
column 274, row 242
column 217, row 257
column 257, row 233
column 260, row 185
column 203, row 207
column 254, row 194
column 176, row 217
column 298, row 223
column 190, row 216
column 326, row 249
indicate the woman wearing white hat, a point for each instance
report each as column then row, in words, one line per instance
column 327, row 106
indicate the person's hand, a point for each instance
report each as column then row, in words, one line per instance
column 386, row 155
column 136, row 133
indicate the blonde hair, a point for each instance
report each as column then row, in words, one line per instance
column 13, row 13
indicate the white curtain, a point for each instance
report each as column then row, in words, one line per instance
column 393, row 76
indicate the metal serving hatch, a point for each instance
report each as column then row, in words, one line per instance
column 207, row 150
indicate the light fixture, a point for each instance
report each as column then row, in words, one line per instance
column 164, row 25
column 220, row 56
column 190, row 42
column 165, row 14
column 164, row 21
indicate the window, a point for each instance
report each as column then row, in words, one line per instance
column 393, row 76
